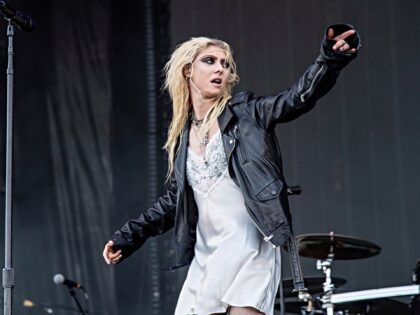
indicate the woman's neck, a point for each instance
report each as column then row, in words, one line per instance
column 201, row 108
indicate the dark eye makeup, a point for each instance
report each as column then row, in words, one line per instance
column 208, row 60
column 211, row 60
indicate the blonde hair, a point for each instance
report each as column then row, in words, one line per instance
column 177, row 85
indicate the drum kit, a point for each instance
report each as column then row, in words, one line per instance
column 322, row 298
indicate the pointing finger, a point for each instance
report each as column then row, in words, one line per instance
column 344, row 35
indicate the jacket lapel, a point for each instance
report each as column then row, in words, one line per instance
column 225, row 117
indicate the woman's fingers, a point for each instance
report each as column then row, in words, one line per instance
column 330, row 33
column 109, row 255
column 342, row 45
column 113, row 255
column 344, row 35
column 105, row 253
column 116, row 259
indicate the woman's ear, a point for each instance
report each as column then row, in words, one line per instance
column 187, row 71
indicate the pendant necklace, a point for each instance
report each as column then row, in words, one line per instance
column 197, row 123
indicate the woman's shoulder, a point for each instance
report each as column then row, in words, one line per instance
column 240, row 97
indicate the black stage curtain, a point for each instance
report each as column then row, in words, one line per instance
column 82, row 137
column 81, row 151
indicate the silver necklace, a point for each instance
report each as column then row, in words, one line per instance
column 197, row 122
column 202, row 142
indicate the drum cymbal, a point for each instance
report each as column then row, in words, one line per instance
column 319, row 245
column 312, row 283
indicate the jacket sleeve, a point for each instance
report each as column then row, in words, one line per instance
column 317, row 80
column 156, row 220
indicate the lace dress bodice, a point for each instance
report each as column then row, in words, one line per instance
column 204, row 176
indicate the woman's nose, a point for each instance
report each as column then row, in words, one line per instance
column 219, row 67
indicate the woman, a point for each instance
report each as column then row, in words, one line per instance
column 227, row 197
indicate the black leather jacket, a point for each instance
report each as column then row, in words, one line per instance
column 247, row 126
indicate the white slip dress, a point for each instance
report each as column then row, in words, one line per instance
column 233, row 265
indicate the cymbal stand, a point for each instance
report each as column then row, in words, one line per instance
column 328, row 286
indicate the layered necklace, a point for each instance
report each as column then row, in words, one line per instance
column 203, row 141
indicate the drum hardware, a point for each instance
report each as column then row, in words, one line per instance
column 325, row 266
column 329, row 247
column 314, row 284
column 360, row 304
column 415, row 299
column 305, row 308
column 415, row 305
column 368, row 307
column 372, row 294
column 415, row 274
column 305, row 305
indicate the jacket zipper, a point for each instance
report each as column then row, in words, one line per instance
column 266, row 238
column 315, row 80
column 233, row 143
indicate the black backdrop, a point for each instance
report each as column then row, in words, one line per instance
column 83, row 130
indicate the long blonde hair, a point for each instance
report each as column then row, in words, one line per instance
column 177, row 85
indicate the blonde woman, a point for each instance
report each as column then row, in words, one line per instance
column 227, row 197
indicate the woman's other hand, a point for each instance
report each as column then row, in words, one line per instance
column 340, row 40
column 111, row 256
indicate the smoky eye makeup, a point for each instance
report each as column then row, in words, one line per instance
column 225, row 64
column 211, row 60
column 208, row 60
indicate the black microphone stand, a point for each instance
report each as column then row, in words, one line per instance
column 8, row 271
column 74, row 296
column 13, row 18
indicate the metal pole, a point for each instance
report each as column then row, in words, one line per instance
column 8, row 271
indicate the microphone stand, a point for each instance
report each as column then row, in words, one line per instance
column 8, row 271
column 79, row 306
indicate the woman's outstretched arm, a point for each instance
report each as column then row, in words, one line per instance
column 339, row 46
column 133, row 234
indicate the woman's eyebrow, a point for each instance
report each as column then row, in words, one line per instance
column 206, row 56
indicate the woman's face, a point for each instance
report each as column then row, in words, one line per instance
column 209, row 72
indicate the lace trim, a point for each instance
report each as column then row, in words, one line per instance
column 201, row 177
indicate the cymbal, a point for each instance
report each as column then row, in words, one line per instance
column 319, row 245
column 312, row 283
column 373, row 307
